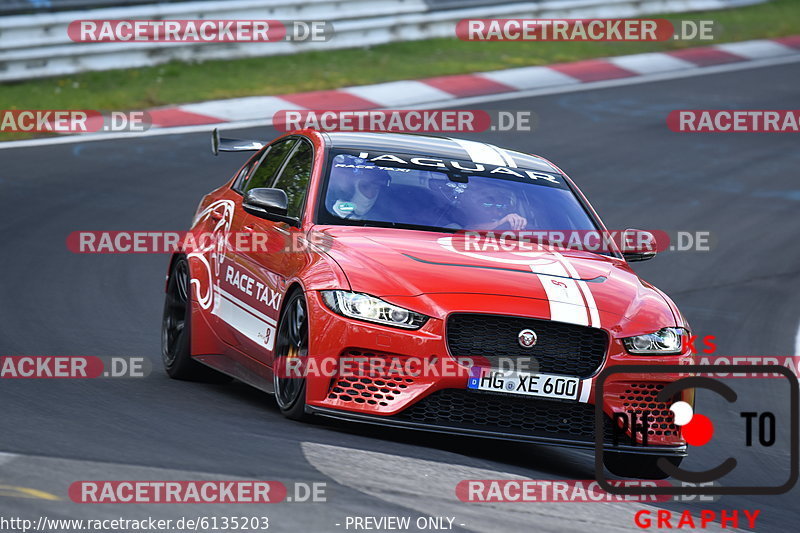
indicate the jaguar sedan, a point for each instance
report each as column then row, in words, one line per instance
column 428, row 283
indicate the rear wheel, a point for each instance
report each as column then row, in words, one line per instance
column 291, row 343
column 636, row 465
column 176, row 330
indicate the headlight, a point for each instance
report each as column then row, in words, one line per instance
column 664, row 341
column 365, row 307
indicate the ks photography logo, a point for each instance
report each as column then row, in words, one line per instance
column 756, row 429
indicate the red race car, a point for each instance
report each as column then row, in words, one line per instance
column 421, row 282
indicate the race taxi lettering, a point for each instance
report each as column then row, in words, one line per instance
column 252, row 287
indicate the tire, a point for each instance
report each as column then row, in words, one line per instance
column 176, row 330
column 636, row 465
column 292, row 341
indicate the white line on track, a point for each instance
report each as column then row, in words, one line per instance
column 428, row 487
column 6, row 457
column 797, row 343
column 690, row 73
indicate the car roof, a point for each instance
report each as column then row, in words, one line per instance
column 439, row 147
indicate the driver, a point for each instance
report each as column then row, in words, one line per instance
column 368, row 186
column 489, row 205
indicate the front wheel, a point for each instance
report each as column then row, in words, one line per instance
column 292, row 344
column 636, row 465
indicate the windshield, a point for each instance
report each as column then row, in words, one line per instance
column 429, row 193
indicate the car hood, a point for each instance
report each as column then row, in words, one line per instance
column 390, row 262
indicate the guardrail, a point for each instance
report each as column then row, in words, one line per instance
column 15, row 7
column 33, row 46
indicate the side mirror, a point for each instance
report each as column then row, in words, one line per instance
column 271, row 204
column 638, row 245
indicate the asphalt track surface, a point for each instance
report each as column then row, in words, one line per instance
column 613, row 142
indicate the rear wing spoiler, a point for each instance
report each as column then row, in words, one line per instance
column 232, row 145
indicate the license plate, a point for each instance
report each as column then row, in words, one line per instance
column 511, row 382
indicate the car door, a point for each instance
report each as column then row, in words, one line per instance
column 283, row 260
column 239, row 305
column 212, row 227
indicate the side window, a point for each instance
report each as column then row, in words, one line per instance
column 238, row 183
column 269, row 166
column 295, row 175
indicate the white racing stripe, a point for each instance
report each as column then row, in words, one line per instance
column 586, row 388
column 233, row 299
column 581, row 310
column 594, row 314
column 481, row 152
column 505, row 155
column 565, row 299
column 251, row 322
column 570, row 298
column 591, row 305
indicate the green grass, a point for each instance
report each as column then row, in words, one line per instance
column 176, row 83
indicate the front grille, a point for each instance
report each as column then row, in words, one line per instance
column 507, row 414
column 373, row 385
column 369, row 390
column 560, row 348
